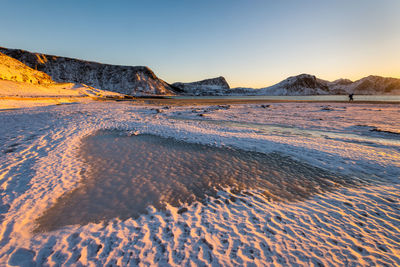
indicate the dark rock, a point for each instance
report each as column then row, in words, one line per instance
column 182, row 210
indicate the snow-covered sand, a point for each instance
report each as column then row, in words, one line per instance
column 350, row 225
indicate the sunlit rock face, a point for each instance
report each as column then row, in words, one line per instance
column 127, row 174
column 214, row 86
column 138, row 80
column 14, row 70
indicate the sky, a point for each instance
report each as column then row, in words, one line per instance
column 251, row 43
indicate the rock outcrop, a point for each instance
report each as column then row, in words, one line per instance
column 138, row 80
column 214, row 86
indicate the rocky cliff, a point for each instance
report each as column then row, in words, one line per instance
column 129, row 80
column 214, row 86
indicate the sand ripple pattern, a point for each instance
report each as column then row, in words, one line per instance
column 348, row 227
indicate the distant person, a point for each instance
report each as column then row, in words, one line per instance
column 351, row 97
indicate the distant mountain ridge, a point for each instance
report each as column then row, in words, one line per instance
column 138, row 80
column 368, row 85
column 306, row 84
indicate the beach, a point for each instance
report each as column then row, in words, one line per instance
column 343, row 224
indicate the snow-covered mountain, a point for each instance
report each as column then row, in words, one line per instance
column 306, row 84
column 303, row 84
column 214, row 86
column 138, row 80
column 372, row 85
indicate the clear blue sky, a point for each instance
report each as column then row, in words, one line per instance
column 251, row 43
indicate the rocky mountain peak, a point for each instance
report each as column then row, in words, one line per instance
column 304, row 81
column 342, row 82
column 303, row 84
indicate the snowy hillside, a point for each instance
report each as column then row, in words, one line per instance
column 138, row 80
column 13, row 70
column 214, row 86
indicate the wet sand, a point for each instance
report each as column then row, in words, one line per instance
column 202, row 101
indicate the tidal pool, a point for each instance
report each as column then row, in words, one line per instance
column 126, row 174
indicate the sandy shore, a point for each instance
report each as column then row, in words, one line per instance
column 201, row 101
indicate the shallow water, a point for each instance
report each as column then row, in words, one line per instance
column 126, row 174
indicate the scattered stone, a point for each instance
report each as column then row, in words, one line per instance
column 182, row 210
column 326, row 109
column 224, row 106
